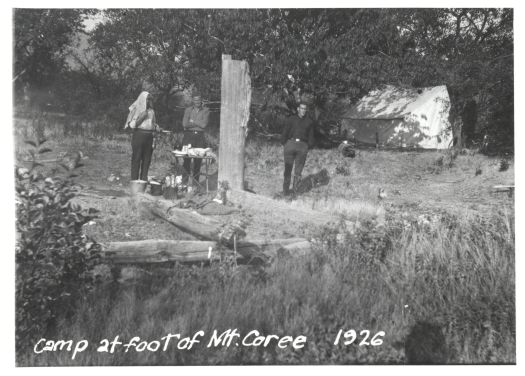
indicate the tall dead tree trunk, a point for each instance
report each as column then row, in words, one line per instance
column 235, row 112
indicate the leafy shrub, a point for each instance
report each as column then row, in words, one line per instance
column 362, row 246
column 53, row 257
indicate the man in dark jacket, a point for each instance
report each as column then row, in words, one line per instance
column 297, row 138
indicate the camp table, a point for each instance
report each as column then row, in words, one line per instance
column 191, row 179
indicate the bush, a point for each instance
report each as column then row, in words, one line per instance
column 53, row 257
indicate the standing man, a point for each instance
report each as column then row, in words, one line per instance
column 144, row 124
column 194, row 123
column 297, row 138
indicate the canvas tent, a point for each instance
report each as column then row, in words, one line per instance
column 398, row 117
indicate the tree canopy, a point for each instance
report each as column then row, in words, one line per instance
column 40, row 39
column 326, row 53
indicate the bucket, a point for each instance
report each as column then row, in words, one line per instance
column 138, row 186
column 156, row 188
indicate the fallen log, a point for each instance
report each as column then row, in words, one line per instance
column 503, row 188
column 201, row 227
column 279, row 208
column 509, row 189
column 209, row 229
column 204, row 228
column 184, row 251
column 273, row 248
column 157, row 251
column 42, row 160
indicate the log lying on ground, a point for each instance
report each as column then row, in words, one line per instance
column 201, row 227
column 204, row 228
column 503, row 188
column 279, row 208
column 159, row 251
column 272, row 248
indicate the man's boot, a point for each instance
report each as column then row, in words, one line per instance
column 287, row 179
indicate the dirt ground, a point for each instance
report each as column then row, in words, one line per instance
column 420, row 180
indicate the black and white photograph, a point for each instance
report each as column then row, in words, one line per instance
column 293, row 186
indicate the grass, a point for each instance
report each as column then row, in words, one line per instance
column 436, row 251
column 461, row 277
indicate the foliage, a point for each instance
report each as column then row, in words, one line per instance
column 471, row 51
column 321, row 55
column 41, row 37
column 53, row 257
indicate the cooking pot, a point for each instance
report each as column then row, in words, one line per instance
column 155, row 188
